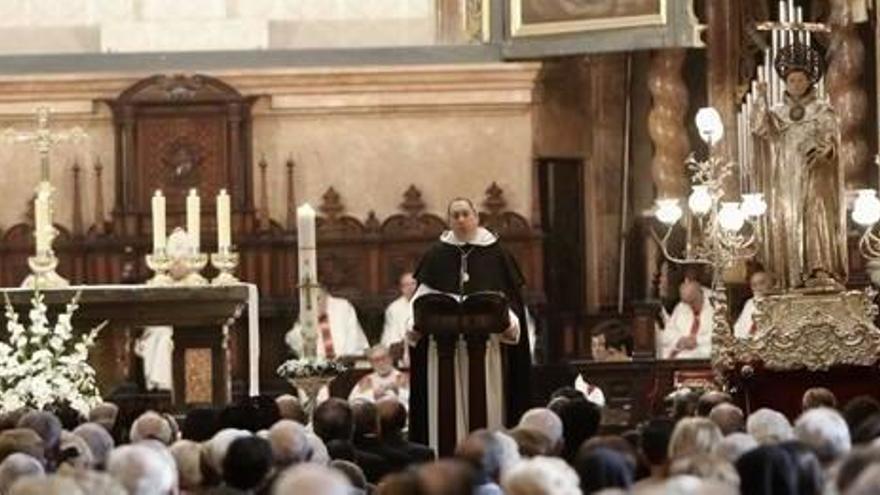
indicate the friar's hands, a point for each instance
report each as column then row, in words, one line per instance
column 686, row 343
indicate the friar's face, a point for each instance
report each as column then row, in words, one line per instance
column 463, row 220
column 760, row 283
column 407, row 285
column 797, row 83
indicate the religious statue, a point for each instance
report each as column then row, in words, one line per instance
column 806, row 234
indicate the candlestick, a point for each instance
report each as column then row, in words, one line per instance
column 193, row 219
column 158, row 210
column 223, row 222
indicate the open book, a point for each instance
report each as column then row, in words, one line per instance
column 440, row 313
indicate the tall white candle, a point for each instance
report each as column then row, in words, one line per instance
column 223, row 222
column 158, row 210
column 308, row 278
column 193, row 218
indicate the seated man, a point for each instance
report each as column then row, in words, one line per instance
column 760, row 282
column 384, row 381
column 688, row 333
column 398, row 315
column 339, row 331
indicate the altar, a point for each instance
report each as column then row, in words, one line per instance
column 203, row 319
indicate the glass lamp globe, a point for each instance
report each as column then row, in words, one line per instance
column 709, row 124
column 731, row 218
column 700, row 201
column 866, row 209
column 753, row 205
column 668, row 211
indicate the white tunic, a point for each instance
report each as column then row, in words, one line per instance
column 345, row 330
column 156, row 347
column 397, row 317
column 374, row 387
column 679, row 325
column 742, row 329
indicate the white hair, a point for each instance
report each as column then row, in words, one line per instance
column 509, row 451
column 188, row 457
column 83, row 458
column 825, row 431
column 693, row 436
column 98, row 439
column 541, row 476
column 48, row 485
column 735, row 445
column 216, row 447
column 290, row 443
column 17, row 466
column 320, row 455
column 142, row 470
column 767, row 426
column 151, row 425
column 544, row 421
column 312, row 479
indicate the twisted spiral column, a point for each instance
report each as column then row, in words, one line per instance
column 666, row 122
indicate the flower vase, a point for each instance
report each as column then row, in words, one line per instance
column 311, row 386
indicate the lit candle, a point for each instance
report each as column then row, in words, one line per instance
column 193, row 217
column 158, row 208
column 223, row 222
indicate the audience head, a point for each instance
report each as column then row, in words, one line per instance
column 290, row 443
column 767, row 426
column 46, row 485
column 541, row 476
column 482, row 450
column 313, row 479
column 290, row 408
column 200, row 424
column 580, row 421
column 733, row 446
column 547, row 423
column 603, row 468
column 216, row 448
column 509, row 451
column 392, row 417
column 682, row 403
column 24, row 441
column 105, row 415
column 44, row 424
column 708, row 401
column 867, row 431
column 823, row 430
column 400, row 483
column 446, row 477
column 728, row 417
column 320, row 455
column 532, row 443
column 819, row 397
column 769, row 470
column 152, row 426
column 247, row 463
column 352, row 472
column 655, row 440
column 99, row 441
column 858, row 409
column 854, row 465
column 810, row 477
column 366, row 419
column 693, row 436
column 707, row 468
column 17, row 466
column 333, row 420
column 188, row 457
column 75, row 452
column 142, row 470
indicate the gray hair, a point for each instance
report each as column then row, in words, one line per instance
column 541, row 476
column 693, row 436
column 728, row 417
column 509, row 451
column 825, row 431
column 48, row 485
column 735, row 445
column 188, row 457
column 151, row 425
column 83, row 458
column 545, row 421
column 104, row 414
column 99, row 441
column 320, row 455
column 313, row 479
column 290, row 443
column 17, row 466
column 142, row 470
column 44, row 424
column 769, row 427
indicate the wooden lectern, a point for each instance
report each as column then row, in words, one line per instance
column 447, row 320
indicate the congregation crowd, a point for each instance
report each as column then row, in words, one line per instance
column 704, row 445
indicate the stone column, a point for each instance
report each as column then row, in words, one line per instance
column 666, row 122
column 723, row 47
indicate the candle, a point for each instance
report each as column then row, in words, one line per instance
column 308, row 278
column 158, row 209
column 223, row 222
column 305, row 224
column 193, row 218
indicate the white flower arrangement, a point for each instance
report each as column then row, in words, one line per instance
column 43, row 366
column 311, row 367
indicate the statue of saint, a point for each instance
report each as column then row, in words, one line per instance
column 806, row 226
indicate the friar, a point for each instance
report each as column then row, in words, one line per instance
column 465, row 260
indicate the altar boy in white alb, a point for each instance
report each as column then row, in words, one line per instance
column 688, row 332
column 760, row 282
column 339, row 332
